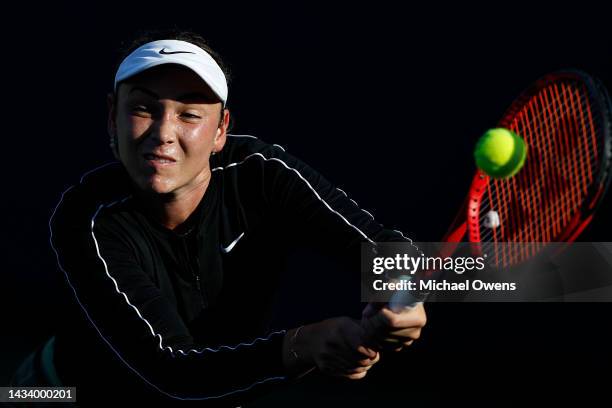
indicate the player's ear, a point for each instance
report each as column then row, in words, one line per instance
column 111, row 102
column 221, row 135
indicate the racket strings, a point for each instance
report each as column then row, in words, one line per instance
column 563, row 193
column 559, row 189
column 567, row 196
column 513, row 254
column 554, row 192
column 567, row 189
column 557, row 124
column 528, row 169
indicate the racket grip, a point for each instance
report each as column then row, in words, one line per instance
column 403, row 299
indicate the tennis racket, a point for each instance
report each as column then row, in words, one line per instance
column 565, row 120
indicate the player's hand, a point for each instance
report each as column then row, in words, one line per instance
column 385, row 329
column 335, row 346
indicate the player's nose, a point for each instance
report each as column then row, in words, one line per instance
column 166, row 130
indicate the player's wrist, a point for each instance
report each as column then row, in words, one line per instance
column 296, row 354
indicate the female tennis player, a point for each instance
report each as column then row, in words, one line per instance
column 173, row 253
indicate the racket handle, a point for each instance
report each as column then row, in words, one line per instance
column 403, row 299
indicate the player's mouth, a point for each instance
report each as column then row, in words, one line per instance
column 158, row 160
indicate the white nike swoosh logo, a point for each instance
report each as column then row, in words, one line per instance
column 232, row 245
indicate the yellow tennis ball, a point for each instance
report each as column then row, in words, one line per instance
column 500, row 153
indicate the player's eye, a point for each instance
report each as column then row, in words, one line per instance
column 190, row 115
column 141, row 110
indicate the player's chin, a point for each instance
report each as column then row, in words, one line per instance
column 160, row 184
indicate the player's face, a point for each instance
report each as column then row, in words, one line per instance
column 168, row 122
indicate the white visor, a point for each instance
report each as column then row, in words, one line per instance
column 178, row 52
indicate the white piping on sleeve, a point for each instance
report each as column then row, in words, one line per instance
column 402, row 234
column 355, row 202
column 305, row 182
column 250, row 136
column 95, row 169
column 409, row 240
column 228, row 347
column 367, row 212
column 155, row 335
column 254, row 137
column 317, row 195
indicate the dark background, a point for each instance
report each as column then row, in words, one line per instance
column 385, row 100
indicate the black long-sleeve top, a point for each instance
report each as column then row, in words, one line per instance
column 168, row 316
